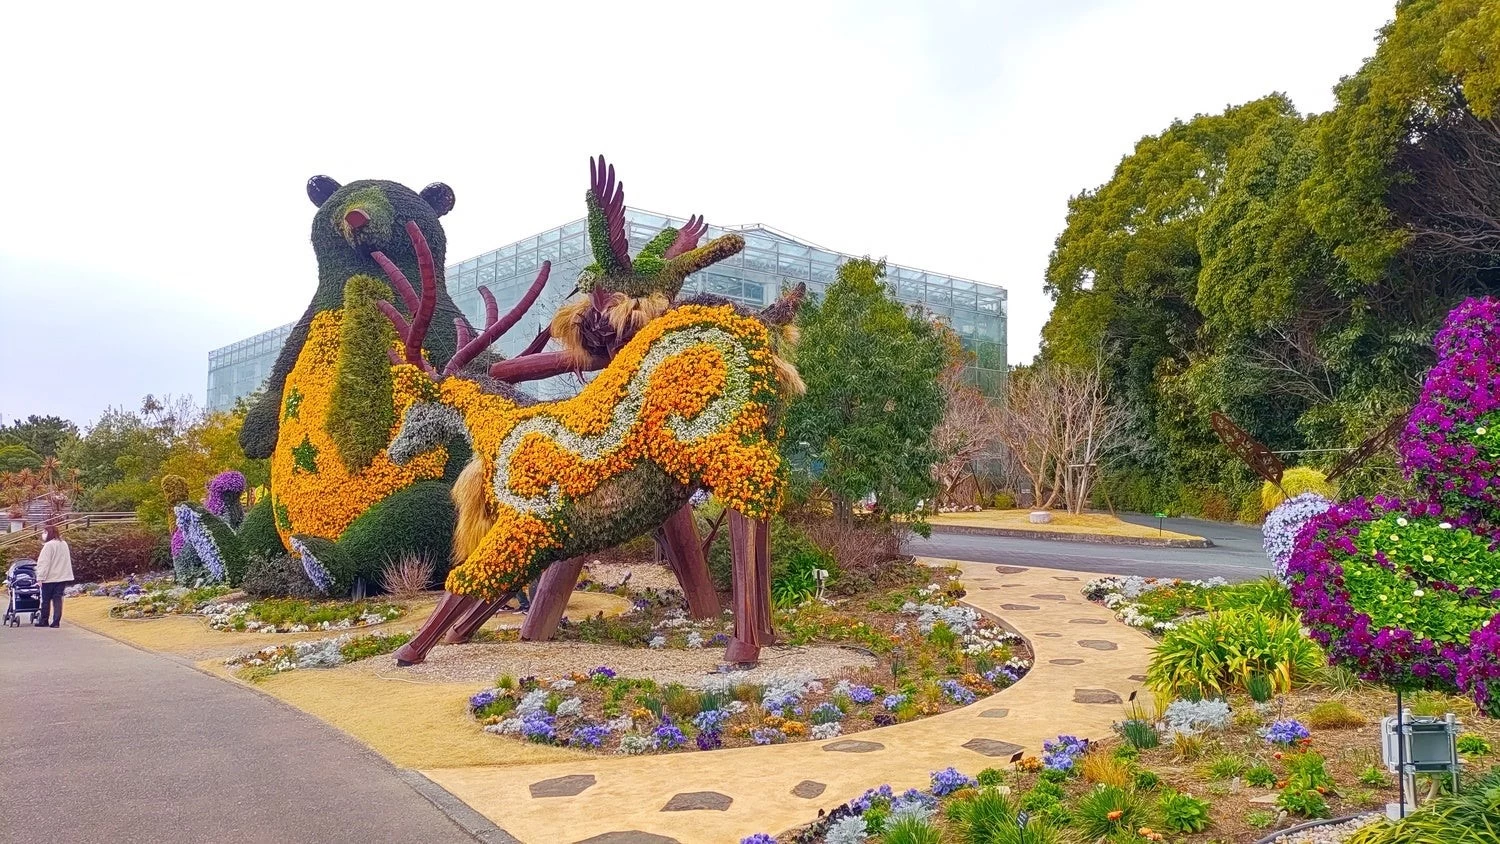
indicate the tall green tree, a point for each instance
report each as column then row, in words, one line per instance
column 1288, row 269
column 14, row 458
column 45, row 435
column 872, row 369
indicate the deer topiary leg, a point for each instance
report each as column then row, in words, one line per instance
column 749, row 543
column 464, row 629
column 679, row 536
column 449, row 610
column 551, row 598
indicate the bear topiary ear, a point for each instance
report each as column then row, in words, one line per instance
column 320, row 188
column 439, row 196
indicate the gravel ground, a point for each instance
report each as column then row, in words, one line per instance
column 690, row 667
column 1330, row 834
column 642, row 575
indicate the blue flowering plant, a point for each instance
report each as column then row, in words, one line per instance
column 1287, row 732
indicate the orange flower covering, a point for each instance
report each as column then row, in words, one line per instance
column 324, row 502
column 679, row 369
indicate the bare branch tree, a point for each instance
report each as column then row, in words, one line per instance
column 964, row 432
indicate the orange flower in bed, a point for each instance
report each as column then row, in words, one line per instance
column 1115, row 815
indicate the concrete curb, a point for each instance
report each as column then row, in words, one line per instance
column 1055, row 536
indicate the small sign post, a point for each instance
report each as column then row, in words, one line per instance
column 1161, row 519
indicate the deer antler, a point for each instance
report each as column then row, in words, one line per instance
column 412, row 332
column 469, row 348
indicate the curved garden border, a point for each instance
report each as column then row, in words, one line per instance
column 1059, row 536
column 1281, row 833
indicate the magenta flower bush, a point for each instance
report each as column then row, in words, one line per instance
column 1408, row 592
column 1451, row 443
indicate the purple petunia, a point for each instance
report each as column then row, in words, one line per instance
column 224, row 488
column 483, row 699
column 602, row 672
column 669, row 736
column 861, row 694
column 1285, row 731
column 589, row 735
column 949, row 780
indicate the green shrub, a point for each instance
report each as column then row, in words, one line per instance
column 1333, row 715
column 1473, row 744
column 277, row 576
column 1266, row 595
column 1472, row 817
column 1003, row 501
column 1146, row 781
column 795, row 581
column 1182, row 812
column 1307, row 804
column 1259, row 688
column 1305, row 771
column 991, row 776
column 989, row 817
column 1222, row 650
column 1260, row 819
column 1260, row 776
column 375, row 644
column 1140, row 733
column 1226, row 766
column 418, row 520
column 258, row 531
column 105, row 552
column 1372, row 776
column 1107, row 810
column 910, row 830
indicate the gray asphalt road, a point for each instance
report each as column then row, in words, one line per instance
column 1236, row 554
column 102, row 742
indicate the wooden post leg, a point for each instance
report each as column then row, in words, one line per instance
column 448, row 610
column 464, row 629
column 679, row 536
column 745, row 646
column 551, row 598
column 763, row 586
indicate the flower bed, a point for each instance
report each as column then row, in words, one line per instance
column 935, row 655
column 1210, row 771
column 1153, row 604
column 323, row 653
column 279, row 615
column 172, row 600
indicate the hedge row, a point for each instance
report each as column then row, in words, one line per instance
column 106, row 552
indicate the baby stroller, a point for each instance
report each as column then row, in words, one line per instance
column 25, row 593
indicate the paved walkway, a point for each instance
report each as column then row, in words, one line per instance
column 1087, row 662
column 103, row 742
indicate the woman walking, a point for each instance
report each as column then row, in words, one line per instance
column 54, row 570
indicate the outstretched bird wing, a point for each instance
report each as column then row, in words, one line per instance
column 606, row 203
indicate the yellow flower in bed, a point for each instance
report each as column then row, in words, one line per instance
column 794, row 729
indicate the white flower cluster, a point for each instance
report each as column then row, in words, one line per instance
column 1119, row 593
column 1284, row 523
column 1189, row 717
column 975, row 633
column 229, row 616
column 322, row 653
column 826, row 731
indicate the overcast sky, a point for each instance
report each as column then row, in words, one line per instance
column 153, row 155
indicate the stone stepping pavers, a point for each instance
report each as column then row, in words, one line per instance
column 629, row 836
column 1139, row 678
column 992, row 747
column 641, row 799
column 854, row 746
column 568, row 786
column 808, row 789
column 692, row 801
column 1095, row 696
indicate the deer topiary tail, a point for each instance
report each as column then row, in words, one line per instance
column 475, row 516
